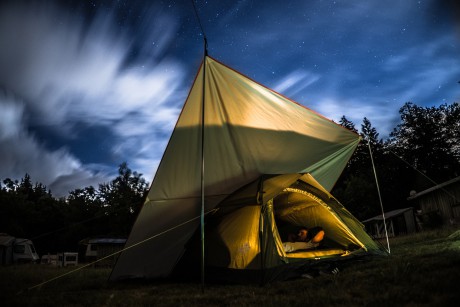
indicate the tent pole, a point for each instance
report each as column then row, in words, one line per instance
column 202, row 164
column 260, row 200
column 202, row 144
column 378, row 191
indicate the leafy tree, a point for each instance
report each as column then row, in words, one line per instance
column 452, row 129
column 370, row 134
column 13, row 208
column 10, row 185
column 344, row 122
column 356, row 187
column 427, row 138
column 123, row 198
column 84, row 208
column 351, row 166
column 29, row 210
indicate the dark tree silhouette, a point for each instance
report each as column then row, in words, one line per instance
column 56, row 225
column 428, row 139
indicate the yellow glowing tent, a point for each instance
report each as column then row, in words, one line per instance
column 249, row 131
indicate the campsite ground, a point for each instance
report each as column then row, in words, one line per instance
column 423, row 270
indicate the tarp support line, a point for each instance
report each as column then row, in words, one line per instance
column 432, row 181
column 424, row 175
column 118, row 252
column 103, row 215
column 184, row 198
column 378, row 191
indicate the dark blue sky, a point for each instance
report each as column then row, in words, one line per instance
column 86, row 85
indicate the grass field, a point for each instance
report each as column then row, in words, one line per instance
column 422, row 270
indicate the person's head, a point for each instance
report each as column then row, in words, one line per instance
column 302, row 234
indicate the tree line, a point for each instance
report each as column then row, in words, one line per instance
column 29, row 210
column 423, row 149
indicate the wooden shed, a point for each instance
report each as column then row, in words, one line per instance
column 440, row 202
column 399, row 222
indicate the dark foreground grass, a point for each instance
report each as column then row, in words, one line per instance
column 423, row 270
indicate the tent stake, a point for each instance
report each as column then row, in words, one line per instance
column 378, row 191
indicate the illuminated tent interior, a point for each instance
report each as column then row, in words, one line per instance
column 232, row 131
column 244, row 236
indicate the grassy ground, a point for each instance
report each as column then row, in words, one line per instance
column 423, row 270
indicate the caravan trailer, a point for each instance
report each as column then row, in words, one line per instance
column 16, row 250
column 103, row 251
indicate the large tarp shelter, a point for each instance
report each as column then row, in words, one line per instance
column 248, row 131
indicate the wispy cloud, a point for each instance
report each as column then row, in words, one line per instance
column 427, row 74
column 64, row 72
column 65, row 69
column 21, row 153
column 295, row 82
column 381, row 115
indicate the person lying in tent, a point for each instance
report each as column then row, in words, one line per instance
column 305, row 238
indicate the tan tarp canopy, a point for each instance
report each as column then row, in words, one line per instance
column 249, row 130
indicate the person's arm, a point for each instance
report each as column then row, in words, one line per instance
column 318, row 237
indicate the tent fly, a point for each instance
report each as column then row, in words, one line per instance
column 231, row 133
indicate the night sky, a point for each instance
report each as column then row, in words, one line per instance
column 87, row 85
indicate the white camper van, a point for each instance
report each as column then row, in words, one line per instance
column 16, row 250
